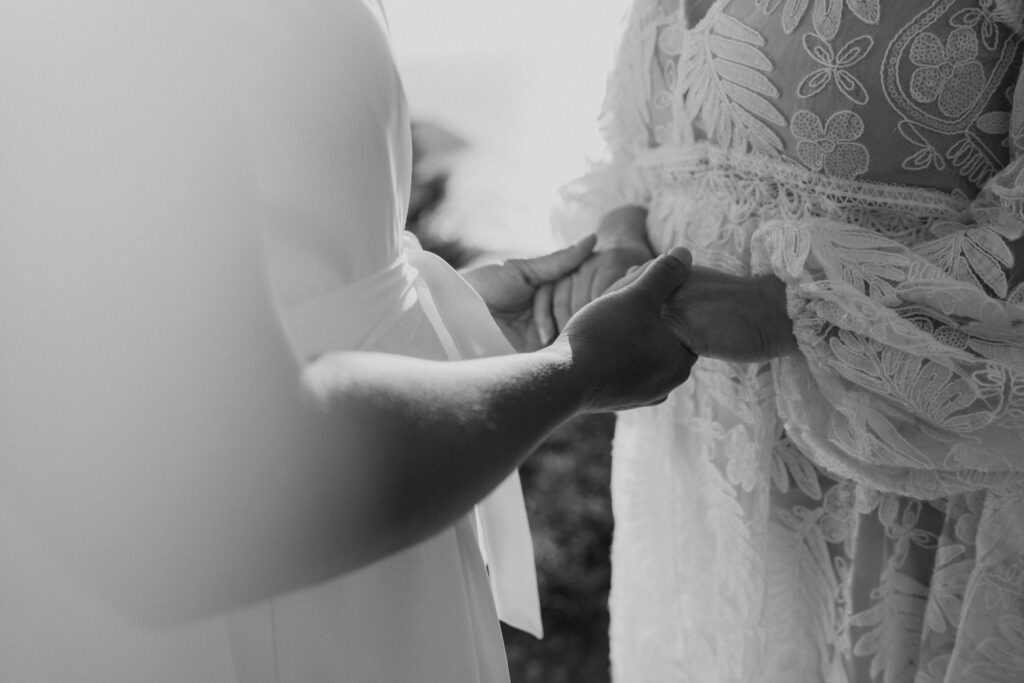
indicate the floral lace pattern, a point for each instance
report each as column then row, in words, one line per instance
column 835, row 67
column 831, row 146
column 854, row 513
column 949, row 74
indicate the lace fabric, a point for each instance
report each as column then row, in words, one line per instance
column 852, row 513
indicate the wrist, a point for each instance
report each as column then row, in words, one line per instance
column 571, row 379
column 779, row 333
column 624, row 227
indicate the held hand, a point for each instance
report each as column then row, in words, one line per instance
column 732, row 317
column 558, row 302
column 509, row 290
column 622, row 347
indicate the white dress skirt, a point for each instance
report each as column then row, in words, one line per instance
column 309, row 124
column 851, row 513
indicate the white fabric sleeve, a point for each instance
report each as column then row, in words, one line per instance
column 911, row 373
column 146, row 380
column 346, row 276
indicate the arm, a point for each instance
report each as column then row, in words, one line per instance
column 154, row 431
column 434, row 438
column 207, row 491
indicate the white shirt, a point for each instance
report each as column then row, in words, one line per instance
column 161, row 160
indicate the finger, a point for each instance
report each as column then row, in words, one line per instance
column 664, row 275
column 604, row 279
column 557, row 264
column 561, row 305
column 582, row 284
column 631, row 275
column 542, row 316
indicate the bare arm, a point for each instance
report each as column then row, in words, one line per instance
column 156, row 433
column 297, row 483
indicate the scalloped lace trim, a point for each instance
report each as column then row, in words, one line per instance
column 757, row 186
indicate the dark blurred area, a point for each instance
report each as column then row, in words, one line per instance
column 435, row 152
column 566, row 482
column 566, row 487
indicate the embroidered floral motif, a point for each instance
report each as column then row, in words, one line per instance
column 827, row 15
column 831, row 147
column 907, row 299
column 984, row 17
column 948, row 73
column 834, row 67
column 837, row 512
column 926, row 156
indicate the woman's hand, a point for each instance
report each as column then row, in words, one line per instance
column 621, row 245
column 509, row 290
column 622, row 345
column 732, row 317
column 558, row 302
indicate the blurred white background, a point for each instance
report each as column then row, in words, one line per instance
column 522, row 81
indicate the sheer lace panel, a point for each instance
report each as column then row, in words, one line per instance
column 854, row 513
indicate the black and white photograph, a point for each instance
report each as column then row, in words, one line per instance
column 478, row 341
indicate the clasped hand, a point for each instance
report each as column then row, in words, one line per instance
column 731, row 317
column 714, row 314
column 620, row 348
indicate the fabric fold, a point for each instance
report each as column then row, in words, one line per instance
column 360, row 315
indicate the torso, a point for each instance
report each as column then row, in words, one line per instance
column 913, row 92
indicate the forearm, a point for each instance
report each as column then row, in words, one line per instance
column 179, row 493
column 431, row 439
column 273, row 493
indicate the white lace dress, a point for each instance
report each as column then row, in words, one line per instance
column 856, row 512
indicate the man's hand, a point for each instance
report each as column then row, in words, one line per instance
column 509, row 290
column 732, row 317
column 621, row 344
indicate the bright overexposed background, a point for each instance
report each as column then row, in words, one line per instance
column 522, row 81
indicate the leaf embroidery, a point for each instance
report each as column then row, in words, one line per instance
column 867, row 11
column 926, row 156
column 979, row 256
column 722, row 73
column 827, row 14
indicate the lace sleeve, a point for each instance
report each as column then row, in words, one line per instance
column 911, row 377
column 612, row 180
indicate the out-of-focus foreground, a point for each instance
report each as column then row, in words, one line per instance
column 565, row 482
column 507, row 96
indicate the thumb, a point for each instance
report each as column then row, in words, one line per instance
column 663, row 276
column 557, row 264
